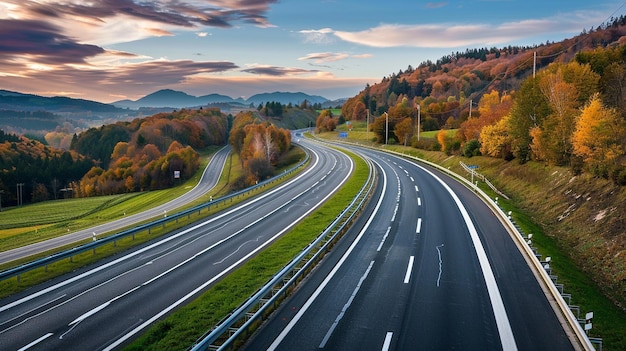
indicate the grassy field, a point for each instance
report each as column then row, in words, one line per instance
column 31, row 223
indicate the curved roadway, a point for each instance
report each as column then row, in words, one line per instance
column 429, row 268
column 209, row 179
column 104, row 306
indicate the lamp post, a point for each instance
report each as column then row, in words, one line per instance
column 386, row 128
column 367, row 125
column 419, row 127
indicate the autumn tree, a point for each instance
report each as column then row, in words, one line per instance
column 404, row 130
column 528, row 111
column 325, row 121
column 599, row 138
column 495, row 140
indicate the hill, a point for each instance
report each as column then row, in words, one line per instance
column 174, row 99
column 61, row 105
column 178, row 99
column 552, row 121
column 457, row 80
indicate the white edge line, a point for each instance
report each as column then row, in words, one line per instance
column 36, row 342
column 149, row 247
column 332, row 273
column 127, row 336
column 387, row 343
column 502, row 320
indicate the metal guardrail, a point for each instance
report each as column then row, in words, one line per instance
column 584, row 341
column 571, row 320
column 256, row 306
column 43, row 262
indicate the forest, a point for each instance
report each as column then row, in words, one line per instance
column 568, row 111
column 144, row 154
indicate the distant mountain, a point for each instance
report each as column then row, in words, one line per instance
column 14, row 101
column 178, row 99
column 285, row 98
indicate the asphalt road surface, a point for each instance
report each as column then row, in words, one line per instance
column 429, row 267
column 104, row 306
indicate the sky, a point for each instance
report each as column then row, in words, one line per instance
column 109, row 50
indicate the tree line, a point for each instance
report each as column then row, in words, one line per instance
column 145, row 154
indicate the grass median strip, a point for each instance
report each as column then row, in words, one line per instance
column 183, row 327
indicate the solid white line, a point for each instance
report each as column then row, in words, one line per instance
column 332, row 273
column 161, row 242
column 409, row 269
column 502, row 320
column 346, row 306
column 36, row 342
column 418, row 229
column 387, row 342
column 180, row 301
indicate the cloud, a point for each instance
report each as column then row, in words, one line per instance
column 267, row 70
column 318, row 36
column 106, row 22
column 436, row 5
column 445, row 35
column 42, row 43
column 321, row 57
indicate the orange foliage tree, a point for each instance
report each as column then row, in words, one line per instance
column 599, row 138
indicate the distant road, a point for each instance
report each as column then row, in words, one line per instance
column 209, row 179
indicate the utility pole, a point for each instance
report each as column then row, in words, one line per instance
column 470, row 111
column 1, row 192
column 20, row 187
column 534, row 63
column 367, row 125
column 386, row 128
column 419, row 127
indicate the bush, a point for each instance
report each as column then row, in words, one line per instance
column 471, row 148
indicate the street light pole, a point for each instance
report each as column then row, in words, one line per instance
column 386, row 128
column 419, row 127
column 367, row 125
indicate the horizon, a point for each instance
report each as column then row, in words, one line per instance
column 109, row 51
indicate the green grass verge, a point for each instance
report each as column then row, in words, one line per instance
column 186, row 325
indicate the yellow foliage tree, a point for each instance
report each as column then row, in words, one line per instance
column 495, row 139
column 598, row 137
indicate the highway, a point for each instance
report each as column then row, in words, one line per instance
column 104, row 306
column 209, row 179
column 429, row 268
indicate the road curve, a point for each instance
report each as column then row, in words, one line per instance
column 430, row 268
column 104, row 306
column 208, row 180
